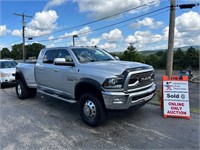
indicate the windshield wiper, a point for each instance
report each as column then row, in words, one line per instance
column 107, row 59
column 93, row 60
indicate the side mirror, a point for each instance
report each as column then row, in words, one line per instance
column 63, row 62
column 117, row 58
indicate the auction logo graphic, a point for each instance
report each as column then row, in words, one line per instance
column 169, row 85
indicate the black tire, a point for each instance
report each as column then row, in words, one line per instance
column 32, row 92
column 2, row 85
column 92, row 110
column 22, row 90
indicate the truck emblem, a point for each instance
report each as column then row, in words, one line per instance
column 145, row 78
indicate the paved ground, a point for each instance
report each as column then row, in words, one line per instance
column 46, row 123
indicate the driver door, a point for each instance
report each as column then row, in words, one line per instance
column 65, row 76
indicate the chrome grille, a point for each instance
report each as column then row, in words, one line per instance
column 139, row 80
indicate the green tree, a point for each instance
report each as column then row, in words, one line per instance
column 16, row 52
column 157, row 60
column 33, row 50
column 192, row 58
column 5, row 53
column 131, row 54
column 179, row 57
column 152, row 59
column 162, row 59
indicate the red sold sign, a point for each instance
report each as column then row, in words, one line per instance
column 175, row 97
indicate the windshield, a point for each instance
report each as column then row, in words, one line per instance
column 91, row 55
column 7, row 64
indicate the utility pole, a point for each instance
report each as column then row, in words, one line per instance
column 23, row 33
column 73, row 39
column 171, row 33
column 171, row 38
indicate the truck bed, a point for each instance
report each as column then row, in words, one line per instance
column 27, row 69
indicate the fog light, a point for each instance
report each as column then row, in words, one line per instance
column 119, row 100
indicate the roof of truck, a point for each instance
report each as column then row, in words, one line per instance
column 70, row 47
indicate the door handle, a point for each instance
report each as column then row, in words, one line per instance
column 56, row 70
column 41, row 68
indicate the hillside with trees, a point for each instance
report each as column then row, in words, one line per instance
column 182, row 59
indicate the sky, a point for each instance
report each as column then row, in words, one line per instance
column 109, row 24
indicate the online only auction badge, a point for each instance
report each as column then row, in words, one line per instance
column 176, row 98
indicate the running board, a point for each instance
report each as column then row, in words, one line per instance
column 56, row 96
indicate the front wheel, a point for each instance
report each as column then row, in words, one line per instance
column 92, row 110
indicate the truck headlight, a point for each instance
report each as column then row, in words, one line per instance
column 4, row 74
column 113, row 83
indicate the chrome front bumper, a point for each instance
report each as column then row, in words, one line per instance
column 121, row 100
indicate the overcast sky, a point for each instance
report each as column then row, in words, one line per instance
column 146, row 26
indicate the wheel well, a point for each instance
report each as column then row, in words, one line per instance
column 19, row 76
column 86, row 88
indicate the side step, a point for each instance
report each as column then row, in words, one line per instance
column 56, row 96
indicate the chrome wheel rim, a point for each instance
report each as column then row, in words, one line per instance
column 89, row 109
column 19, row 90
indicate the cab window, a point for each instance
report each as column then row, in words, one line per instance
column 49, row 56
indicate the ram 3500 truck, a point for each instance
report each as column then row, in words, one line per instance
column 87, row 75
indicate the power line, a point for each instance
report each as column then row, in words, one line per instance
column 111, row 24
column 119, row 27
column 129, row 23
column 97, row 20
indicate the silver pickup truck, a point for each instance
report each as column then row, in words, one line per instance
column 87, row 75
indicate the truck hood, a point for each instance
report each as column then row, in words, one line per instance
column 111, row 67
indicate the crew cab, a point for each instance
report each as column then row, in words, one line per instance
column 89, row 76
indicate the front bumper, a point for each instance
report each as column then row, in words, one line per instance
column 121, row 100
column 7, row 80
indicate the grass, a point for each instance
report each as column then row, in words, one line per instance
column 157, row 98
column 195, row 110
